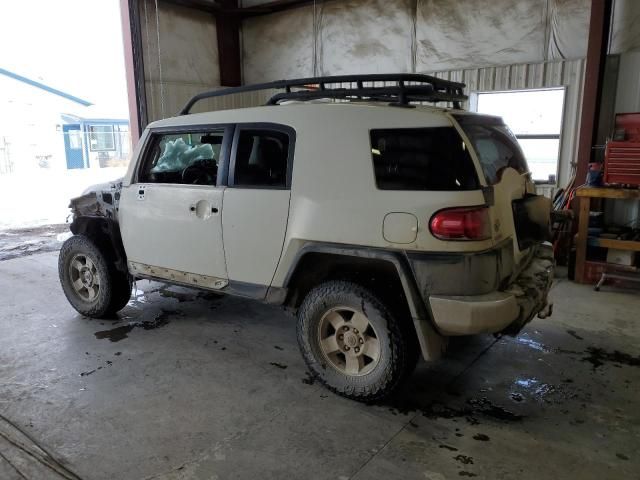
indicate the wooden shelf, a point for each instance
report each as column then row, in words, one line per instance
column 585, row 195
column 607, row 192
column 613, row 243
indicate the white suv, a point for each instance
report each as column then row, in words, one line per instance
column 388, row 227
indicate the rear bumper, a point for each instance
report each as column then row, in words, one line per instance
column 498, row 311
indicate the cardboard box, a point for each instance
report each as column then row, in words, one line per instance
column 621, row 257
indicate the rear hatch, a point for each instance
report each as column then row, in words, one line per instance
column 516, row 212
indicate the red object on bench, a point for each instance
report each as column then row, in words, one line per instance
column 622, row 156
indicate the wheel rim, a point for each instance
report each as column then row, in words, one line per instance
column 348, row 341
column 84, row 277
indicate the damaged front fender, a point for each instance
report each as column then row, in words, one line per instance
column 97, row 201
column 95, row 215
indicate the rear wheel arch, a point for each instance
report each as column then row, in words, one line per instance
column 320, row 262
column 314, row 267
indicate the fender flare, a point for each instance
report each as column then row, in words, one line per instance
column 432, row 344
column 90, row 224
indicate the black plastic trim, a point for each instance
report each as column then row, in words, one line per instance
column 421, row 88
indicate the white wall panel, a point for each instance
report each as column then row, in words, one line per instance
column 365, row 36
column 482, row 32
column 278, row 46
column 180, row 55
column 567, row 29
column 626, row 26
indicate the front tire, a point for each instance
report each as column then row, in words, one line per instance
column 352, row 343
column 89, row 280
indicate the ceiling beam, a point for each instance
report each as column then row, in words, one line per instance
column 209, row 6
column 228, row 33
column 274, row 6
column 217, row 7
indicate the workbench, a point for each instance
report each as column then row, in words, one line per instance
column 585, row 194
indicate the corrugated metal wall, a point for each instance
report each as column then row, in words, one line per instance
column 566, row 73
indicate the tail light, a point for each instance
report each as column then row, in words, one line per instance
column 461, row 224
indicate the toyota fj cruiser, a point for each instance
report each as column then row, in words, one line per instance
column 387, row 226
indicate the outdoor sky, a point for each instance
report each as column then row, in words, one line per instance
column 72, row 45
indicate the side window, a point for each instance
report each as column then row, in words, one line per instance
column 261, row 159
column 422, row 159
column 189, row 158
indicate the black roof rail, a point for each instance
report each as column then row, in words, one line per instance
column 409, row 87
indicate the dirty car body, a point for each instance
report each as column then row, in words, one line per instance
column 387, row 230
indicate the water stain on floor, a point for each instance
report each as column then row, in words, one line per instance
column 471, row 411
column 281, row 366
column 120, row 333
column 597, row 357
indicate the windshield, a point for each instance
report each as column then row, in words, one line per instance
column 496, row 146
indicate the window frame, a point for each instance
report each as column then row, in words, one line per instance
column 113, row 138
column 266, row 126
column 454, row 128
column 157, row 133
column 473, row 106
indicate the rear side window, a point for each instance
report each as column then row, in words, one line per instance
column 497, row 149
column 261, row 159
column 422, row 159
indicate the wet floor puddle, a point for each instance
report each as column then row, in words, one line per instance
column 121, row 332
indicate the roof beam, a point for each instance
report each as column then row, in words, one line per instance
column 228, row 33
column 217, row 7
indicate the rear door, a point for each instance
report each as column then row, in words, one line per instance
column 256, row 204
column 516, row 211
column 170, row 215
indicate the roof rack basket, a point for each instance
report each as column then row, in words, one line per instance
column 397, row 89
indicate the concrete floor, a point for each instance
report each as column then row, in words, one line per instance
column 186, row 386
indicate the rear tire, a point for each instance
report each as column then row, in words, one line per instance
column 352, row 343
column 89, row 279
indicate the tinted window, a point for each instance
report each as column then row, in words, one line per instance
column 497, row 149
column 422, row 159
column 261, row 159
column 185, row 158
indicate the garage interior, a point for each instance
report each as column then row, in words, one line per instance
column 186, row 384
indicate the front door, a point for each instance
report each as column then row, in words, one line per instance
column 170, row 215
column 73, row 146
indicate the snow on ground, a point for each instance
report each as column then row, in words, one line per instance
column 42, row 197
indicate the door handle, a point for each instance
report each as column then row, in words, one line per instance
column 203, row 209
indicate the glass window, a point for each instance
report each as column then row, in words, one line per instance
column 101, row 138
column 261, row 159
column 496, row 146
column 535, row 117
column 184, row 158
column 75, row 141
column 422, row 159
